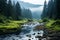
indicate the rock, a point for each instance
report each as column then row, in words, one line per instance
column 29, row 39
column 44, row 39
column 37, row 36
column 39, row 27
column 54, row 38
column 32, row 38
column 34, row 34
column 38, row 33
column 28, row 36
column 13, row 39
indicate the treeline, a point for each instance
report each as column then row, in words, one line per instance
column 26, row 13
column 13, row 11
column 9, row 10
column 52, row 10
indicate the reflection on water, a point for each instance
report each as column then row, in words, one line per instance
column 28, row 33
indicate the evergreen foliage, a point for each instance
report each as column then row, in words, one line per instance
column 51, row 11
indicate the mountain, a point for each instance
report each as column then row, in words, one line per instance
column 28, row 5
column 36, row 12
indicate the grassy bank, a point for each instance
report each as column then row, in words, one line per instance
column 11, row 26
column 53, row 25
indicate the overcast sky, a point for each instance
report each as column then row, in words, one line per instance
column 34, row 1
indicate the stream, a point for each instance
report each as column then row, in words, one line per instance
column 27, row 33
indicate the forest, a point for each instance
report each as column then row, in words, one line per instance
column 13, row 16
column 9, row 12
column 52, row 12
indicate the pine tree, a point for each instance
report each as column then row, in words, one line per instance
column 14, row 10
column 44, row 10
column 10, row 9
column 26, row 13
column 3, row 5
column 58, row 8
column 50, row 9
column 18, row 11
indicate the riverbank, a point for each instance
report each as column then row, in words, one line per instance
column 52, row 28
column 27, row 33
column 51, row 24
column 11, row 27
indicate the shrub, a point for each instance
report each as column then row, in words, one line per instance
column 2, row 18
column 45, row 20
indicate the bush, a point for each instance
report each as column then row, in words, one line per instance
column 30, row 20
column 2, row 18
column 45, row 20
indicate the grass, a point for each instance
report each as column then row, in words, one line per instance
column 52, row 25
column 11, row 26
column 48, row 24
column 57, row 28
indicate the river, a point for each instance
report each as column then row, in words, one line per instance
column 27, row 33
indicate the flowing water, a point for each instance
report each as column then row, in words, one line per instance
column 27, row 33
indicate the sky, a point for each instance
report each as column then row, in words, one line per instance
column 35, row 1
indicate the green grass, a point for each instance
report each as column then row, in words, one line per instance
column 12, row 24
column 49, row 23
column 11, row 27
column 55, row 26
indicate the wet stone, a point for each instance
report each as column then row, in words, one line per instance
column 19, row 36
column 28, row 35
column 39, row 39
column 44, row 39
column 37, row 36
column 32, row 38
column 38, row 33
column 29, row 39
column 13, row 39
column 16, row 39
column 34, row 34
